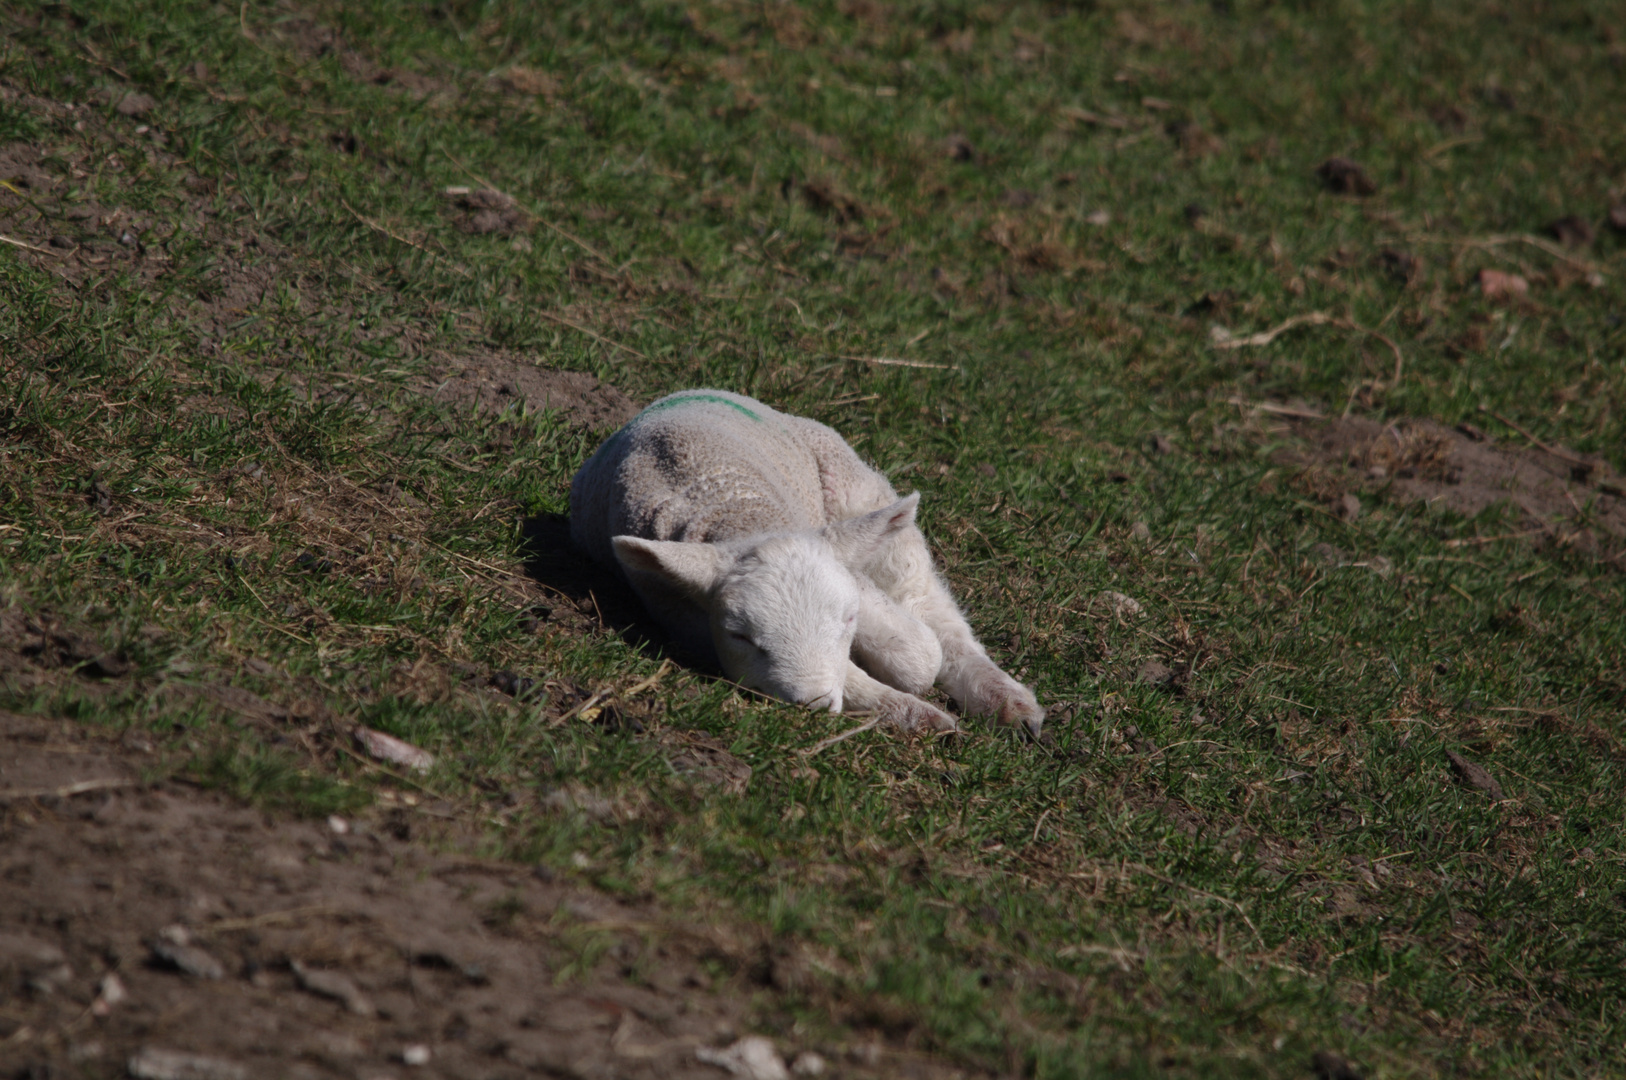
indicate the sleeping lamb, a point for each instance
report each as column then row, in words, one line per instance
column 762, row 541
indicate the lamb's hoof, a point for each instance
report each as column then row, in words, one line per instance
column 1017, row 707
column 1028, row 717
column 922, row 718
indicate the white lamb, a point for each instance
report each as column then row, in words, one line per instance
column 761, row 540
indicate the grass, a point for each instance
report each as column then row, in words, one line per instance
column 1044, row 207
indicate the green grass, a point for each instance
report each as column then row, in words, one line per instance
column 1275, row 861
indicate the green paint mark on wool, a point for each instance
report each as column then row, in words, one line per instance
column 684, row 399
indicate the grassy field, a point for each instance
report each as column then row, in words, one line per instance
column 1014, row 254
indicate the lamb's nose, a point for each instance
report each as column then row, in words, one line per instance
column 830, row 700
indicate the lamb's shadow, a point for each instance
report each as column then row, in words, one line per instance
column 600, row 594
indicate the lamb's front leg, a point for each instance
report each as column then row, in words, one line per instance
column 971, row 678
column 863, row 693
column 892, row 644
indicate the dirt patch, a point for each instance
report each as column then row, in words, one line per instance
column 1562, row 497
column 498, row 381
column 483, row 211
column 293, row 948
column 144, row 921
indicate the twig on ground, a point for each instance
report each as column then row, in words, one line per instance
column 1499, row 239
column 266, row 919
column 398, row 238
column 824, row 744
column 1450, row 144
column 1225, row 900
column 602, row 695
column 888, row 361
column 592, row 334
column 1222, row 338
column 1553, row 450
column 649, row 683
column 96, row 58
column 29, row 247
column 1277, row 410
column 1471, row 541
column 78, row 787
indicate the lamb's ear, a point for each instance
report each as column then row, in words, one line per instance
column 690, row 568
column 858, row 540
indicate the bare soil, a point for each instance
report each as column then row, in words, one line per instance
column 497, row 380
column 1559, row 496
column 292, row 949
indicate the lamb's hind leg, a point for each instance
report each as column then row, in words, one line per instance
column 905, row 572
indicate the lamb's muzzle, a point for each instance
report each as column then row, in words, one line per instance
column 761, row 540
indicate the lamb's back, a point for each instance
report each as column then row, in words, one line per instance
column 699, row 465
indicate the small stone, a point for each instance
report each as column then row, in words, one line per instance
column 1349, row 507
column 1141, row 531
column 337, row 825
column 136, row 104
column 808, row 1063
column 331, row 984
column 1497, row 285
column 868, row 1054
column 188, row 959
column 753, row 1058
column 395, row 751
column 1119, row 604
column 416, row 1054
column 151, row 1063
column 1099, row 218
column 109, row 993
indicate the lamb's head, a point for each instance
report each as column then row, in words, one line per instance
column 783, row 608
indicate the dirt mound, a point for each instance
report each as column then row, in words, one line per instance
column 497, row 381
column 142, row 922
column 1562, row 496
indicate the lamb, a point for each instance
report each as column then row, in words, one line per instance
column 760, row 541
